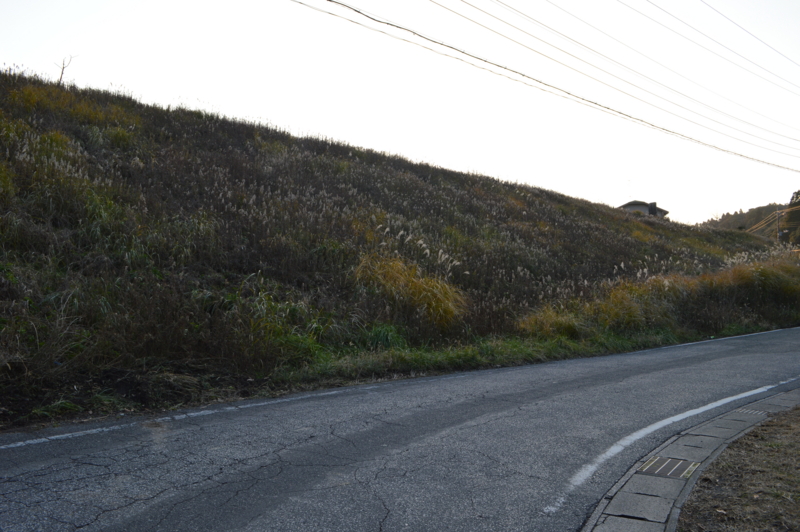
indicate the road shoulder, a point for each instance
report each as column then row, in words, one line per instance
column 649, row 497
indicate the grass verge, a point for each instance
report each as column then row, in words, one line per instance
column 278, row 351
column 754, row 485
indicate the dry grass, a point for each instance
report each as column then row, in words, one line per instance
column 754, row 485
column 138, row 242
column 403, row 284
column 729, row 301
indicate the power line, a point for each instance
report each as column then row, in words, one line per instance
column 634, row 72
column 617, row 77
column 774, row 215
column 668, row 68
column 719, row 43
column 544, row 88
column 708, row 49
column 749, row 33
column 500, row 2
column 572, row 97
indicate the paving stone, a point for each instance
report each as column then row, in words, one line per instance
column 717, row 432
column 783, row 401
column 627, row 504
column 704, row 442
column 685, row 452
column 752, row 419
column 621, row 524
column 794, row 395
column 770, row 407
column 666, row 488
column 644, row 503
column 730, row 423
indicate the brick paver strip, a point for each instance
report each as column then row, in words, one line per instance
column 621, row 524
column 686, row 452
column 647, row 503
column 717, row 432
column 731, row 423
column 627, row 504
column 703, row 442
column 785, row 400
column 770, row 407
column 666, row 488
column 749, row 418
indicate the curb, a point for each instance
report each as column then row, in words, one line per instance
column 649, row 497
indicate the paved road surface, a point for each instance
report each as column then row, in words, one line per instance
column 483, row 451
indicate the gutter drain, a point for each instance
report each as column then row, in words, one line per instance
column 669, row 467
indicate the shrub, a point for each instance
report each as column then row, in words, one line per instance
column 728, row 300
column 549, row 322
column 383, row 336
column 440, row 302
column 7, row 187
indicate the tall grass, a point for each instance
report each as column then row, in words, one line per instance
column 437, row 300
column 141, row 248
column 741, row 298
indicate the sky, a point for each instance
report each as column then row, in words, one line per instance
column 550, row 93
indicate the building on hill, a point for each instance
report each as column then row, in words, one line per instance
column 645, row 208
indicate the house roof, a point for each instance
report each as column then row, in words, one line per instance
column 637, row 203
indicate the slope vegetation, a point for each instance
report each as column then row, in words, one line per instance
column 151, row 256
column 745, row 220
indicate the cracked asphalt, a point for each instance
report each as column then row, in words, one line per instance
column 480, row 451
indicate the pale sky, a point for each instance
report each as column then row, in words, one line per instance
column 287, row 65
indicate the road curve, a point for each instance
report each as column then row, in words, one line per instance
column 481, row 451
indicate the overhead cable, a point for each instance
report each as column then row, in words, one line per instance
column 708, row 49
column 770, row 218
column 617, row 77
column 522, row 14
column 719, row 43
column 624, row 80
column 668, row 68
column 541, row 85
column 563, row 93
column 749, row 33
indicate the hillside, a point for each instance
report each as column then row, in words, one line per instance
column 155, row 256
column 745, row 220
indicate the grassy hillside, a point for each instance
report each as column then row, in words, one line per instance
column 745, row 220
column 151, row 256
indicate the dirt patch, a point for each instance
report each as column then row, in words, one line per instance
column 754, row 485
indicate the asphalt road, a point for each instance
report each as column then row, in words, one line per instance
column 507, row 449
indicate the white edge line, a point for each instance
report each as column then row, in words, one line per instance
column 589, row 469
column 66, row 436
column 716, row 339
column 165, row 419
column 178, row 417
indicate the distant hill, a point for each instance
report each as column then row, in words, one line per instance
column 745, row 220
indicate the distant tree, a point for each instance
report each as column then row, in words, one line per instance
column 744, row 220
column 791, row 221
column 63, row 66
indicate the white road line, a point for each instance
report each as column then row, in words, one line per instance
column 589, row 469
column 65, row 436
column 199, row 413
column 719, row 339
column 165, row 419
column 334, row 392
